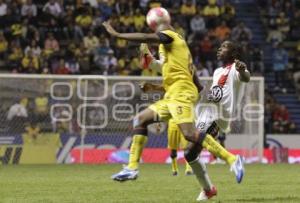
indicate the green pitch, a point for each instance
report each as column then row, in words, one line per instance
column 91, row 183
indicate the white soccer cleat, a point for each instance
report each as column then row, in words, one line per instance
column 205, row 195
column 125, row 174
column 238, row 168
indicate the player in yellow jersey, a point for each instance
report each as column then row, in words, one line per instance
column 176, row 139
column 181, row 88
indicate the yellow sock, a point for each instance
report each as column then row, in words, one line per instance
column 174, row 165
column 216, row 149
column 188, row 167
column 136, row 149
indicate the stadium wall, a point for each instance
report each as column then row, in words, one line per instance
column 66, row 149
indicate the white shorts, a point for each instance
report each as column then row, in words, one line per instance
column 207, row 116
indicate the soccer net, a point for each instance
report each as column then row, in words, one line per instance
column 95, row 112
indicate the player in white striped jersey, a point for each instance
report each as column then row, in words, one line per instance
column 222, row 101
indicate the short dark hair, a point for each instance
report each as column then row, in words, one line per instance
column 236, row 50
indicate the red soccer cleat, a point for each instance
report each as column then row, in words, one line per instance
column 205, row 195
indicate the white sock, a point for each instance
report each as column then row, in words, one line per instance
column 199, row 169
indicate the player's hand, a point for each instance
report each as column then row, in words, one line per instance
column 110, row 29
column 144, row 49
column 240, row 66
column 146, row 87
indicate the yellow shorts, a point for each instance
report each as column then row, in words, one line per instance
column 176, row 139
column 180, row 111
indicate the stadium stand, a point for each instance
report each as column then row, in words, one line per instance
column 66, row 37
column 281, row 23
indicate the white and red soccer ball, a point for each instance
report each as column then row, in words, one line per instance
column 158, row 17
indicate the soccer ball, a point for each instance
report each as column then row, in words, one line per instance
column 157, row 17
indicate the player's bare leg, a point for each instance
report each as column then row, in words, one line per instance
column 208, row 142
column 139, row 140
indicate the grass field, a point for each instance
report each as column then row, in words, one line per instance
column 91, row 183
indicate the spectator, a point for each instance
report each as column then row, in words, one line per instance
column 282, row 22
column 211, row 12
column 222, row 31
column 29, row 9
column 295, row 23
column 32, row 131
column 30, row 63
column 105, row 9
column 90, row 42
column 72, row 65
column 281, row 118
column 112, row 62
column 69, row 24
column 83, row 58
column 274, row 35
column 135, row 66
column 3, row 8
column 202, row 71
column 62, row 69
column 241, row 33
column 17, row 116
column 15, row 56
column 206, row 48
column 280, row 62
column 61, row 121
column 41, row 108
column 97, row 22
column 268, row 115
column 139, row 20
column 53, row 8
column 188, row 9
column 51, row 45
column 83, row 24
column 228, row 13
column 34, row 48
column 197, row 24
column 92, row 3
column 256, row 56
column 126, row 19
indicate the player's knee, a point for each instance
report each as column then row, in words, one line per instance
column 143, row 119
column 213, row 130
column 190, row 155
column 173, row 154
column 140, row 131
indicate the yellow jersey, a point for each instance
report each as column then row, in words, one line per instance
column 177, row 70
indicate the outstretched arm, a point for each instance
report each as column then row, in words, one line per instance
column 138, row 37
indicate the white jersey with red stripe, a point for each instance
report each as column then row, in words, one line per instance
column 226, row 93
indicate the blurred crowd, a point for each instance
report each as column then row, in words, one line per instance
column 277, row 117
column 282, row 20
column 67, row 37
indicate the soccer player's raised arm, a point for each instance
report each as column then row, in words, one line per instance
column 138, row 37
column 241, row 67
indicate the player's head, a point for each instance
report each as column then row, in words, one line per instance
column 158, row 19
column 228, row 51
